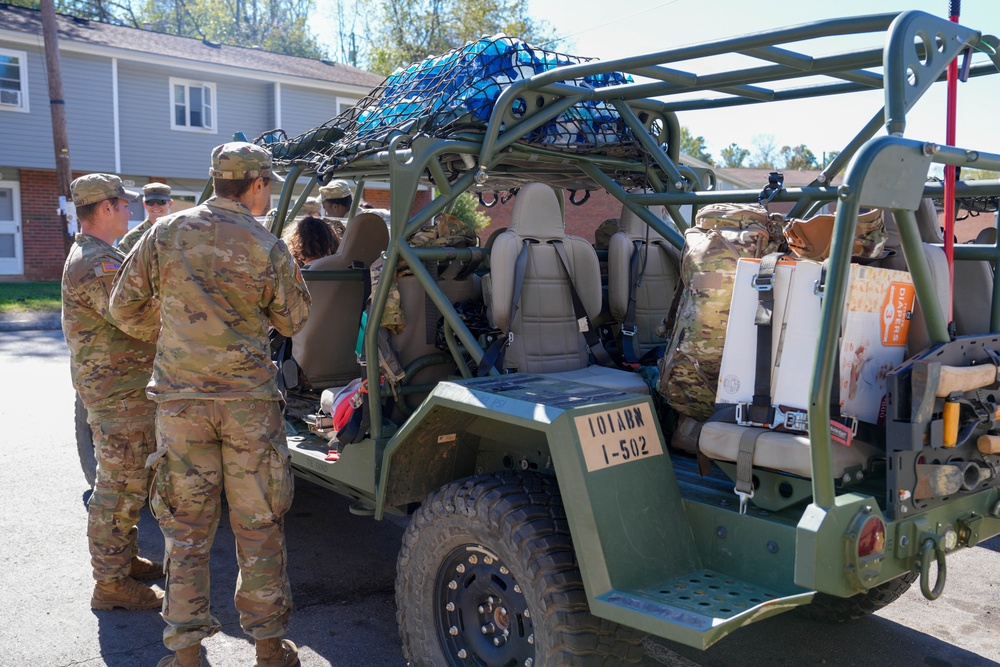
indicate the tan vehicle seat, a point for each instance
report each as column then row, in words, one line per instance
column 659, row 277
column 324, row 348
column 787, row 452
column 546, row 336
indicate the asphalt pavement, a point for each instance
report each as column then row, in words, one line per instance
column 342, row 569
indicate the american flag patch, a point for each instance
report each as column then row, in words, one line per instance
column 110, row 267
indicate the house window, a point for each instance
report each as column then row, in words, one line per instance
column 192, row 105
column 343, row 105
column 13, row 80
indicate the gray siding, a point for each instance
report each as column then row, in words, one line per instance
column 303, row 109
column 148, row 145
column 27, row 137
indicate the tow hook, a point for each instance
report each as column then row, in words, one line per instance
column 932, row 550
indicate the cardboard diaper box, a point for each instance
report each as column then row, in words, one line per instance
column 873, row 341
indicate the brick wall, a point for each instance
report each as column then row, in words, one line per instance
column 580, row 220
column 45, row 239
column 380, row 199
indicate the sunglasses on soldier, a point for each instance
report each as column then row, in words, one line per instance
column 157, row 202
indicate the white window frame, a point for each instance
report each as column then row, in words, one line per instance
column 345, row 102
column 213, row 106
column 22, row 57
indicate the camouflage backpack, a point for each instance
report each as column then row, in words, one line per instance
column 722, row 233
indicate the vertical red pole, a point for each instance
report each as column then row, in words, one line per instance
column 954, row 9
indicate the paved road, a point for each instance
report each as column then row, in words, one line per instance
column 343, row 567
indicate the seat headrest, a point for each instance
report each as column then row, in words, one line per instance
column 537, row 213
column 635, row 227
column 365, row 237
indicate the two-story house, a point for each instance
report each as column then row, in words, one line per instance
column 144, row 105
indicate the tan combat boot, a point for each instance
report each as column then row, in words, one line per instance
column 143, row 569
column 125, row 593
column 189, row 656
column 276, row 652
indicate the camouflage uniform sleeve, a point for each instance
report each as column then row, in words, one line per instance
column 134, row 303
column 287, row 303
column 133, row 235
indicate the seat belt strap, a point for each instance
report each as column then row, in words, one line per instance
column 601, row 355
column 630, row 338
column 761, row 411
column 494, row 355
column 744, row 466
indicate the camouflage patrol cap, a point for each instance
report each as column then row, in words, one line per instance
column 335, row 190
column 155, row 191
column 311, row 206
column 94, row 188
column 239, row 159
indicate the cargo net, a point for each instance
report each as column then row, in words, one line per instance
column 455, row 93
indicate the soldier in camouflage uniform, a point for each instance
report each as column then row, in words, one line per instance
column 221, row 279
column 336, row 198
column 110, row 370
column 156, row 200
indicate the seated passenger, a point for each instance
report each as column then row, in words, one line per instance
column 309, row 239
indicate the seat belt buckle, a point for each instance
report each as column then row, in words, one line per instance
column 763, row 283
column 745, row 416
column 630, row 331
column 793, row 420
column 744, row 499
column 582, row 324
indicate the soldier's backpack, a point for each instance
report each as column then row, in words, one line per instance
column 722, row 233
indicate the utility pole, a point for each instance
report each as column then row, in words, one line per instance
column 60, row 136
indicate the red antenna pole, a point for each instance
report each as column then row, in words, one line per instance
column 951, row 119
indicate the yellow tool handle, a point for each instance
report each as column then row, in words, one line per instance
column 951, row 410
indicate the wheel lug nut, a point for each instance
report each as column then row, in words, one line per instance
column 487, row 560
column 504, row 570
column 462, row 654
column 531, row 639
column 452, row 584
column 491, row 600
column 517, row 589
column 503, row 611
column 453, row 630
column 527, row 614
column 473, row 560
column 482, row 609
column 528, row 662
column 450, row 606
column 497, row 641
column 488, row 628
column 460, row 568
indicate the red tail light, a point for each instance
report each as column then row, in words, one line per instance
column 872, row 537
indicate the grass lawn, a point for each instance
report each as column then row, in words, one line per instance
column 41, row 297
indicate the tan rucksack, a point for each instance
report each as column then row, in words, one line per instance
column 689, row 371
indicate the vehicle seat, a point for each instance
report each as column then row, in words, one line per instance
column 324, row 348
column 786, row 452
column 545, row 332
column 973, row 279
column 659, row 278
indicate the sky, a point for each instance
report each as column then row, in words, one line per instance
column 593, row 28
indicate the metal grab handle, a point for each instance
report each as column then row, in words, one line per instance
column 496, row 198
column 573, row 200
column 932, row 549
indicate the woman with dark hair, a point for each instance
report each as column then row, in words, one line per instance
column 309, row 239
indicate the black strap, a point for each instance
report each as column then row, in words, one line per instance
column 601, row 355
column 630, row 332
column 494, row 355
column 760, row 410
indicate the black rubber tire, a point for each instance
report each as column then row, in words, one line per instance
column 85, row 443
column 510, row 533
column 831, row 609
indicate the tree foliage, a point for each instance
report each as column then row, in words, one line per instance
column 403, row 31
column 274, row 25
column 733, row 156
column 695, row 146
column 764, row 155
column 466, row 208
column 798, row 157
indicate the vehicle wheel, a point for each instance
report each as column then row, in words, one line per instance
column 487, row 575
column 831, row 609
column 85, row 443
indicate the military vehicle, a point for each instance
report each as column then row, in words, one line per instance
column 551, row 521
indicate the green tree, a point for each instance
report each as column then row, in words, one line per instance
column 734, row 156
column 695, row 146
column 798, row 157
column 404, row 31
column 466, row 209
column 274, row 25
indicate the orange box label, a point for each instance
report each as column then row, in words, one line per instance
column 896, row 313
